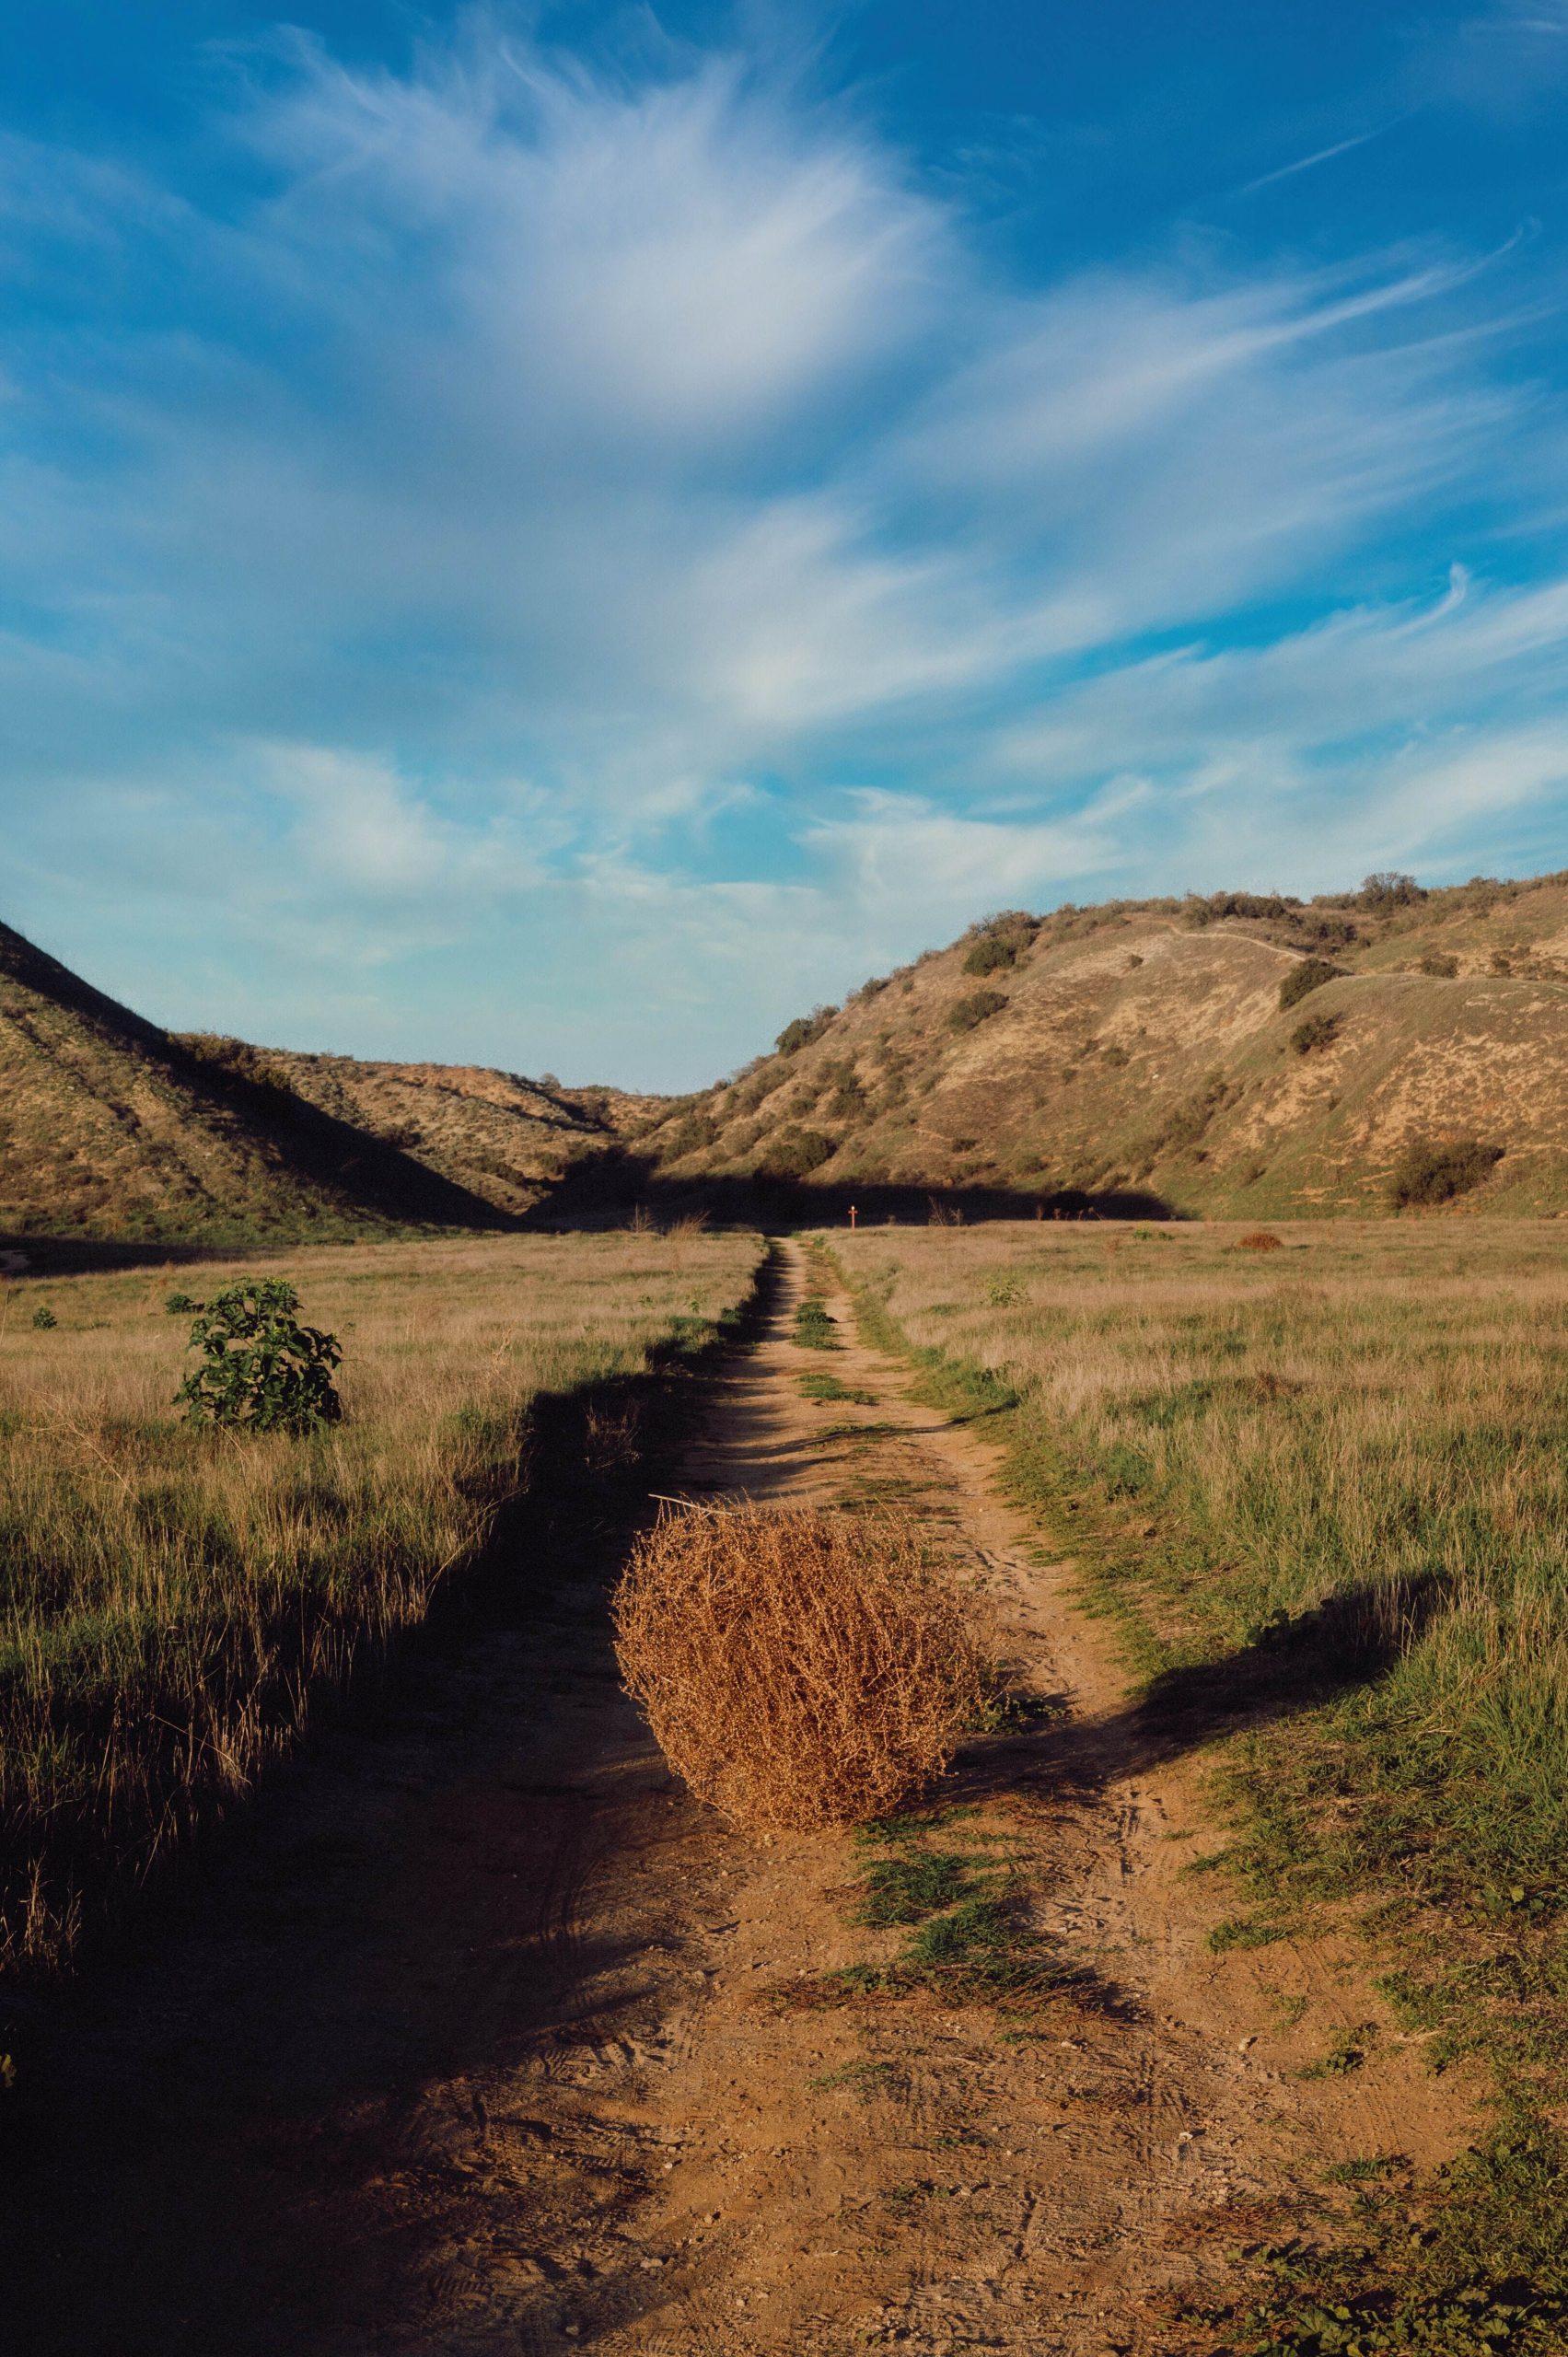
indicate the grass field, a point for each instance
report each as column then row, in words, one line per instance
column 1323, row 1489
column 173, row 1597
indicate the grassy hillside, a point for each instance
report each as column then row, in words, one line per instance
column 1142, row 1049
column 178, row 1594
column 112, row 1128
column 504, row 1139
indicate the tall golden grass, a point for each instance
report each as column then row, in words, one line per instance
column 172, row 1597
column 800, row 1668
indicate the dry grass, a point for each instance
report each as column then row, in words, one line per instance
column 800, row 1668
column 173, row 1597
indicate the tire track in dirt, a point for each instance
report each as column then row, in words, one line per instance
column 484, row 2039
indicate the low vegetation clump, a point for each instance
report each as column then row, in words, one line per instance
column 1309, row 974
column 969, row 1013
column 1318, row 1032
column 1260, row 1239
column 1441, row 963
column 178, row 1596
column 828, row 1391
column 814, row 1325
column 805, row 1030
column 798, row 1668
column 796, row 1153
column 1434, row 1170
column 260, row 1366
column 1000, row 943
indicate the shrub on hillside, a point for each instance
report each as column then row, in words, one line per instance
column 798, row 1668
column 261, row 1367
column 1000, row 942
column 967, row 1014
column 1309, row 975
column 1438, row 961
column 1434, row 1171
column 1328, row 933
column 1200, row 910
column 804, row 1030
column 1318, row 1031
column 688, row 1135
column 796, row 1153
column 1259, row 1239
column 1387, row 889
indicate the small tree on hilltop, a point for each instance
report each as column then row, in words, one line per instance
column 261, row 1367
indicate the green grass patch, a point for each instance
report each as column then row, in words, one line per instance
column 814, row 1327
column 818, row 1384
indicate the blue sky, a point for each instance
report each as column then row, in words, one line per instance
column 560, row 537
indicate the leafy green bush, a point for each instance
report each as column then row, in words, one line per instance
column 44, row 1318
column 262, row 1368
column 1434, row 1171
column 181, row 1305
column 1318, row 1031
column 970, row 1012
column 795, row 1152
column 1309, row 975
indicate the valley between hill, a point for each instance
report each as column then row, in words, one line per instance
column 1240, row 1055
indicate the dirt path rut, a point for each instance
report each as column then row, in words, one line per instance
column 492, row 2040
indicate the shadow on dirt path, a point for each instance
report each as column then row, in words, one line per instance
column 484, row 2038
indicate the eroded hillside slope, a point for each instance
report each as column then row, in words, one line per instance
column 501, row 1137
column 1144, row 1049
column 110, row 1128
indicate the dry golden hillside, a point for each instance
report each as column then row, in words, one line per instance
column 1141, row 1052
column 502, row 1138
column 112, row 1128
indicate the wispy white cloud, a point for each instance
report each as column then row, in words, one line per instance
column 663, row 444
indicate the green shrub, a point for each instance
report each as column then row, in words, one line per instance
column 1309, row 975
column 970, row 1012
column 990, row 956
column 797, row 1152
column 1000, row 942
column 1318, row 1031
column 804, row 1030
column 1437, row 961
column 262, row 1368
column 1387, row 890
column 1434, row 1171
column 691, row 1133
column 44, row 1319
column 181, row 1305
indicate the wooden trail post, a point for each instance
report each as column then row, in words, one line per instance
column 851, row 1214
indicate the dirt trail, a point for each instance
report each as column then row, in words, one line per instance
column 485, row 2038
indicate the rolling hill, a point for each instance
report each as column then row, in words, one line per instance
column 1139, row 1054
column 1240, row 1055
column 506, row 1140
column 113, row 1130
